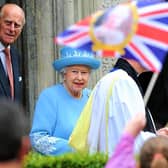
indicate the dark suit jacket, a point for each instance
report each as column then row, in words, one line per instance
column 158, row 101
column 4, row 81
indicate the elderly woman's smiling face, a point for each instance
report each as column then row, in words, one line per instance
column 76, row 78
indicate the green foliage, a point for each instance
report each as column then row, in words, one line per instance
column 71, row 160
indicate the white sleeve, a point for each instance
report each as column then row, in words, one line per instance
column 126, row 100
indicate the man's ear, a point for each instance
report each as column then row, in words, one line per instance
column 24, row 149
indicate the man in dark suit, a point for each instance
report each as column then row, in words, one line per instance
column 12, row 20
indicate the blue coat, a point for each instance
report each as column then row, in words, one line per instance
column 55, row 116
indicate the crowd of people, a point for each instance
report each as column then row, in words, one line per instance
column 153, row 153
column 114, row 113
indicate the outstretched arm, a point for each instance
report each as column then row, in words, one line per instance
column 123, row 155
column 136, row 124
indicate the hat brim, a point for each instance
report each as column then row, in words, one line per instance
column 64, row 62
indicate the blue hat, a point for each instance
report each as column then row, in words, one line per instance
column 70, row 56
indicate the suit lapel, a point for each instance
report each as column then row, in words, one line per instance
column 4, row 81
column 17, row 78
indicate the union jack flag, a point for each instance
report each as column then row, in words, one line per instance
column 148, row 44
column 77, row 35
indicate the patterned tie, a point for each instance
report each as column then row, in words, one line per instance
column 9, row 70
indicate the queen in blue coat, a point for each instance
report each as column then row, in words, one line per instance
column 59, row 106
